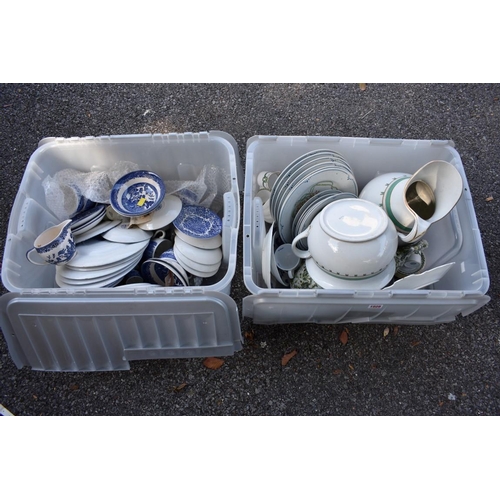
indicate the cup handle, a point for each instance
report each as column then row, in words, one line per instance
column 303, row 254
column 32, row 261
column 160, row 234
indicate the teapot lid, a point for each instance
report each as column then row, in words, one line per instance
column 353, row 219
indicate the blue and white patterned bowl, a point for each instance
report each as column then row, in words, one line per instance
column 137, row 193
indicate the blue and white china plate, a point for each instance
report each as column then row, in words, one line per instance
column 198, row 222
column 89, row 215
column 137, row 193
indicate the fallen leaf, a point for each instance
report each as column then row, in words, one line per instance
column 213, row 363
column 180, row 387
column 249, row 335
column 395, row 330
column 35, row 396
column 441, row 403
column 344, row 335
column 362, row 86
column 338, row 371
column 490, row 198
column 386, row 331
column 351, row 367
column 74, row 387
column 414, row 344
column 287, row 357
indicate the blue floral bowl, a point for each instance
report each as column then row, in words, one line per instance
column 137, row 193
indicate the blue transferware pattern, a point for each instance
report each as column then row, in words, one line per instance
column 158, row 274
column 137, row 193
column 87, row 214
column 198, row 222
column 53, row 256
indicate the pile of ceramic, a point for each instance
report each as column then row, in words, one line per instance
column 321, row 233
column 143, row 236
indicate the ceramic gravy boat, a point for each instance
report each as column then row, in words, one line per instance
column 415, row 202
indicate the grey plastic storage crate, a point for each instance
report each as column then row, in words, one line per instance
column 455, row 238
column 50, row 328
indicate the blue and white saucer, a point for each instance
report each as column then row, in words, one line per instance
column 198, row 222
column 137, row 193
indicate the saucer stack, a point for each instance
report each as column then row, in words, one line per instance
column 198, row 241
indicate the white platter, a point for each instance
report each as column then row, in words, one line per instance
column 124, row 234
column 96, row 253
column 100, row 228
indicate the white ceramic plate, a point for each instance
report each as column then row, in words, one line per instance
column 267, row 252
column 200, row 255
column 325, row 280
column 96, row 253
column 100, row 228
column 124, row 234
column 196, row 267
column 165, row 214
column 297, row 167
column 320, row 180
column 97, row 283
column 417, row 281
column 207, row 243
column 93, row 272
column 195, row 272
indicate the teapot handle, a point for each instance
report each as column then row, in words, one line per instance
column 303, row 254
column 419, row 229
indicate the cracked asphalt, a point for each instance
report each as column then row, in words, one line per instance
column 443, row 369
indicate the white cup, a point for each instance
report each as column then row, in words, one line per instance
column 286, row 260
column 55, row 245
column 266, row 180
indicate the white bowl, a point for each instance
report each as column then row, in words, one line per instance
column 350, row 239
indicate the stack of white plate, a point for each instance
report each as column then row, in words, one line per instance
column 99, row 264
column 198, row 241
column 303, row 178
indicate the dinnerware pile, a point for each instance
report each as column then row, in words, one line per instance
column 143, row 236
column 340, row 240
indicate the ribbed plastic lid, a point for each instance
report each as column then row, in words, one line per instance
column 353, row 220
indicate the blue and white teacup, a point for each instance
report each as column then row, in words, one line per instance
column 54, row 246
column 157, row 246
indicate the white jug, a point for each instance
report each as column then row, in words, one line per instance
column 415, row 202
